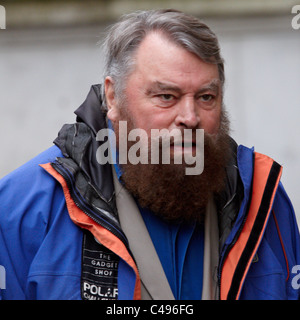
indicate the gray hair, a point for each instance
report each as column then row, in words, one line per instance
column 125, row 36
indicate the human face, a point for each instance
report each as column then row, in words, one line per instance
column 169, row 88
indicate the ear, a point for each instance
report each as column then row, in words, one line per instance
column 111, row 101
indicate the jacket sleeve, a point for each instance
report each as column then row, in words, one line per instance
column 271, row 276
column 288, row 231
column 25, row 213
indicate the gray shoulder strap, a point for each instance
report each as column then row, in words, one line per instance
column 155, row 285
column 211, row 253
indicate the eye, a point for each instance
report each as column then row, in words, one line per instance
column 207, row 97
column 166, row 97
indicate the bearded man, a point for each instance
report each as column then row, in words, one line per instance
column 88, row 229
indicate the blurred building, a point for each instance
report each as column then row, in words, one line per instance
column 50, row 55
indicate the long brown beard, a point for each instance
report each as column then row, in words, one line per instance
column 166, row 190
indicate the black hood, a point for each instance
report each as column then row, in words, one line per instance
column 90, row 111
column 78, row 142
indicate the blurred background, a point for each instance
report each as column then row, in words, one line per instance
column 50, row 56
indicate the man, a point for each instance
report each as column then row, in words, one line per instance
column 76, row 227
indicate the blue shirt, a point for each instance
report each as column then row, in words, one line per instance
column 180, row 248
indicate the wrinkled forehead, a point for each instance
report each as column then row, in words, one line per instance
column 159, row 60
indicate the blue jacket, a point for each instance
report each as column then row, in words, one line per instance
column 46, row 220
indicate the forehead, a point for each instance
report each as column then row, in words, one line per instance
column 160, row 60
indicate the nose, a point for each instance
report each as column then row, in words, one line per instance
column 187, row 114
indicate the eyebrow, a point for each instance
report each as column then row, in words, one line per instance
column 214, row 86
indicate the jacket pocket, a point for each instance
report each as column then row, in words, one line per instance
column 266, row 278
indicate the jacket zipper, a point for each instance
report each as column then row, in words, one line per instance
column 229, row 247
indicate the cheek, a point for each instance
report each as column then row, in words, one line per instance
column 162, row 119
column 149, row 121
column 150, row 117
column 210, row 122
